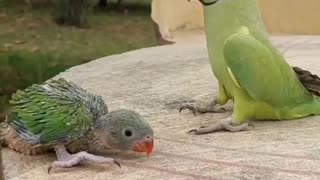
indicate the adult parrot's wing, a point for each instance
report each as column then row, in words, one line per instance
column 262, row 72
column 50, row 113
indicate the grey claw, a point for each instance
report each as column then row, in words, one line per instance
column 250, row 124
column 194, row 112
column 191, row 108
column 196, row 130
column 192, row 130
column 49, row 169
column 117, row 163
column 180, row 109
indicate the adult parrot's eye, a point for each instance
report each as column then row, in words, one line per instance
column 128, row 133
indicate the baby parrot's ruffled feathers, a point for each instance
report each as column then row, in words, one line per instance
column 57, row 111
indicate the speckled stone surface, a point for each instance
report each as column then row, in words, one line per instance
column 153, row 82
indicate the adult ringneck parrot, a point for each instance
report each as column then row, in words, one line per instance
column 251, row 72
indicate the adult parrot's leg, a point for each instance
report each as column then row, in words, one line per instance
column 201, row 108
column 238, row 121
column 223, row 125
column 66, row 160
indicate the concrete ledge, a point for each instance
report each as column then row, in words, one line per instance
column 154, row 82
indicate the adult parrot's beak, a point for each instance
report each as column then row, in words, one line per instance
column 145, row 145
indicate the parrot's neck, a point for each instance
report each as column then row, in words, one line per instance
column 90, row 142
column 96, row 106
column 227, row 17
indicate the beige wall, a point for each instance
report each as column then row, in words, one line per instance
column 280, row 16
column 176, row 14
column 291, row 16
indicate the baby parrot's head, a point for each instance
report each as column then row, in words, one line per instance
column 126, row 131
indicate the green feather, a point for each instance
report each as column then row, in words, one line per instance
column 56, row 111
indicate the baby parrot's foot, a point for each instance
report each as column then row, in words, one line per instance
column 66, row 160
column 202, row 108
column 222, row 125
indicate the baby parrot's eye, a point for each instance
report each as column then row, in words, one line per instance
column 128, row 133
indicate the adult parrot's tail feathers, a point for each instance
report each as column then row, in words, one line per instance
column 310, row 81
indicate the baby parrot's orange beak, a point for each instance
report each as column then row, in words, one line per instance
column 145, row 145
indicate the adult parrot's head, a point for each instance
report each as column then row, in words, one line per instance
column 126, row 131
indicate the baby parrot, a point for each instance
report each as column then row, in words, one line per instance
column 60, row 115
column 250, row 70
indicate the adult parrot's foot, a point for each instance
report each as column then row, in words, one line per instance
column 66, row 160
column 202, row 108
column 222, row 125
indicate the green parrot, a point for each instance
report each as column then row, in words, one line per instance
column 62, row 116
column 251, row 72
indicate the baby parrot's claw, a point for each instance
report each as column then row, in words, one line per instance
column 67, row 160
column 49, row 169
column 117, row 163
column 65, row 164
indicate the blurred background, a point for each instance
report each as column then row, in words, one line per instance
column 40, row 38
